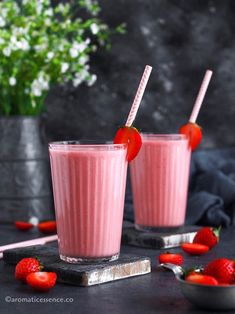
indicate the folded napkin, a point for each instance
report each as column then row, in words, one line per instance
column 211, row 199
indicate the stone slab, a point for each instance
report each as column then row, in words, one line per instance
column 161, row 239
column 82, row 274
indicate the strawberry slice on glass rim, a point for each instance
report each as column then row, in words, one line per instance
column 194, row 133
column 131, row 137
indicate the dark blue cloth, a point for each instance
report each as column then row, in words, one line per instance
column 211, row 199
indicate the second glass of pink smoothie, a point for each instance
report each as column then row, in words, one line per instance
column 159, row 179
column 89, row 183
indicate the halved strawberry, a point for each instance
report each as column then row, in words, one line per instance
column 26, row 266
column 41, row 281
column 130, row 136
column 23, row 225
column 207, row 236
column 194, row 133
column 47, row 226
column 194, row 248
column 172, row 258
column 201, row 279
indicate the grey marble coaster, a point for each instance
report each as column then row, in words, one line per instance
column 82, row 275
column 162, row 239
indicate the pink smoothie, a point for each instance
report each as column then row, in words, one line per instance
column 159, row 178
column 89, row 187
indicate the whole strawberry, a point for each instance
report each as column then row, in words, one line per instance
column 222, row 269
column 207, row 236
column 26, row 266
column 172, row 258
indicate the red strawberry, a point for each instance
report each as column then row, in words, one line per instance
column 194, row 248
column 193, row 132
column 26, row 266
column 130, row 136
column 47, row 226
column 201, row 279
column 167, row 257
column 222, row 269
column 23, row 225
column 207, row 236
column 41, row 281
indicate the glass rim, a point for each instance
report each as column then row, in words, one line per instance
column 166, row 137
column 86, row 144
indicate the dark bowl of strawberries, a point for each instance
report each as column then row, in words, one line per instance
column 210, row 288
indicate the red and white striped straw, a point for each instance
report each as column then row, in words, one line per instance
column 200, row 96
column 139, row 95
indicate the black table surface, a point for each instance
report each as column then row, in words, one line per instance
column 157, row 292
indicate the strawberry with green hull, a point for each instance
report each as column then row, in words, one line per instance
column 207, row 236
column 131, row 137
column 26, row 266
column 223, row 269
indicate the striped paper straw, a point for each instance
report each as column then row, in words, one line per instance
column 139, row 95
column 200, row 96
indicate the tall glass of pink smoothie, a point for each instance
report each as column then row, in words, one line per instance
column 159, row 179
column 89, row 183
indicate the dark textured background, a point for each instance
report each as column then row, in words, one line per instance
column 180, row 39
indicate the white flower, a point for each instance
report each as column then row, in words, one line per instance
column 77, row 81
column 81, row 76
column 19, row 31
column 26, row 2
column 12, row 81
column 2, row 22
column 39, row 8
column 7, row 51
column 78, row 48
column 61, row 47
column 92, row 80
column 40, row 84
column 47, row 22
column 43, row 81
column 36, row 90
column 48, row 12
column 2, row 41
column 16, row 8
column 89, row 5
column 94, row 28
column 13, row 39
column 82, row 46
column 83, row 59
column 64, row 67
column 61, row 7
column 22, row 44
column 73, row 52
column 4, row 12
column 50, row 55
column 40, row 47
